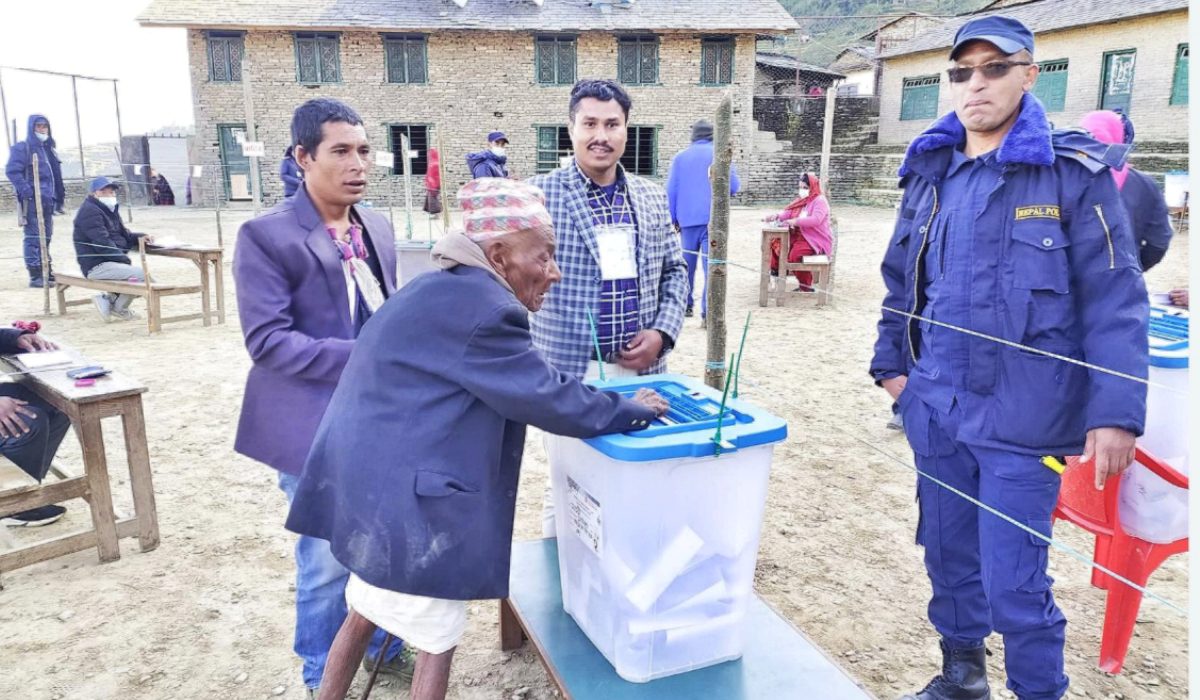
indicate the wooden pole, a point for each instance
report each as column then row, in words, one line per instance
column 4, row 110
column 120, row 145
column 41, row 225
column 248, row 99
column 718, row 238
column 79, row 130
column 406, row 157
column 443, row 183
column 827, row 135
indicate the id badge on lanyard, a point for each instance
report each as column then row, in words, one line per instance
column 617, row 248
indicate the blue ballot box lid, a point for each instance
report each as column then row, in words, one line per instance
column 688, row 428
column 1168, row 338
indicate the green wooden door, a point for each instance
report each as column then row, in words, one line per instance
column 919, row 99
column 1116, row 87
column 235, row 167
column 1051, row 85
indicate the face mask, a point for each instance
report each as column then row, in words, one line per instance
column 110, row 202
column 498, row 151
column 803, row 192
column 41, row 136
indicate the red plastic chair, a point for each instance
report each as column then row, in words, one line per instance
column 1096, row 511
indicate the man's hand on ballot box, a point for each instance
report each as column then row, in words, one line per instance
column 652, row 400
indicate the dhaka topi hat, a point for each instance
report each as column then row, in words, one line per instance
column 495, row 206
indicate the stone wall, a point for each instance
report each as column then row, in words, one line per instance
column 1156, row 39
column 479, row 81
column 801, row 121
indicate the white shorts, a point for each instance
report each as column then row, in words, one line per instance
column 431, row 625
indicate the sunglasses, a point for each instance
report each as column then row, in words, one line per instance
column 991, row 71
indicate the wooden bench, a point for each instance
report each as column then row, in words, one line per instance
column 153, row 292
column 111, row 396
column 779, row 660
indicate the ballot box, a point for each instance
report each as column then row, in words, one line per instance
column 1150, row 508
column 412, row 258
column 658, row 529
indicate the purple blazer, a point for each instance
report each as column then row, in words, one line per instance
column 295, row 315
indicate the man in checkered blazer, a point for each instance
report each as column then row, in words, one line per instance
column 636, row 309
column 639, row 319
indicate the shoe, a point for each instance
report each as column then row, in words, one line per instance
column 104, row 306
column 401, row 666
column 688, row 312
column 963, row 677
column 896, row 422
column 35, row 276
column 126, row 314
column 36, row 517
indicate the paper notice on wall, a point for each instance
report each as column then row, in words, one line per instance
column 384, row 159
column 254, row 149
column 585, row 516
column 197, row 170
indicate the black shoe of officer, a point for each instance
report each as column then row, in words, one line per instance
column 689, row 312
column 963, row 677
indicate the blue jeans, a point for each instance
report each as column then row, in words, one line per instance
column 33, row 451
column 696, row 238
column 321, row 601
column 987, row 574
column 32, row 242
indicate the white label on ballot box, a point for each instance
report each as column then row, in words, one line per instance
column 615, row 244
column 585, row 516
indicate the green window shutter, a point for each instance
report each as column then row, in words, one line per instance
column 225, row 57
column 405, row 59
column 547, row 148
column 317, row 59
column 637, row 60
column 716, row 61
column 627, row 61
column 554, row 60
column 566, row 61
column 331, row 71
column 1179, row 90
column 1051, row 85
column 919, row 98
column 641, row 151
column 415, row 56
column 306, row 60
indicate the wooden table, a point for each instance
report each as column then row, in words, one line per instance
column 779, row 661
column 202, row 257
column 114, row 395
column 771, row 233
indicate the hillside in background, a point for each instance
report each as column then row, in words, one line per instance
column 829, row 36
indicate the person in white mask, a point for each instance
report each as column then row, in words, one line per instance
column 101, row 241
column 492, row 162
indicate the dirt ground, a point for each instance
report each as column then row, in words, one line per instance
column 209, row 613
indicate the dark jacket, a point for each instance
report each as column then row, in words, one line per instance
column 413, row 473
column 290, row 173
column 1055, row 268
column 100, row 236
column 295, row 314
column 20, row 166
column 1148, row 216
column 8, row 340
column 487, row 164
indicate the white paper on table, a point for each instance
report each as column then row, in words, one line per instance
column 42, row 360
column 168, row 242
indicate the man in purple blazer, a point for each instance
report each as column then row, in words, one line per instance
column 309, row 273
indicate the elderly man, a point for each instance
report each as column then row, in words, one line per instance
column 1010, row 231
column 413, row 473
column 101, row 241
column 309, row 274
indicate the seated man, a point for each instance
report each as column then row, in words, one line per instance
column 413, row 473
column 30, row 429
column 101, row 241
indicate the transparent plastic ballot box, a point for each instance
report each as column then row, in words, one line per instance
column 658, row 529
column 1149, row 507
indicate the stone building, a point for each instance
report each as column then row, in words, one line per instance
column 859, row 66
column 1093, row 54
column 447, row 75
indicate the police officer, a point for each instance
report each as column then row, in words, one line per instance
column 1016, row 233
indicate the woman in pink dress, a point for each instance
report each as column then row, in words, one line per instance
column 809, row 221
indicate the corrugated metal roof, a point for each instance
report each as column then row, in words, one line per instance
column 763, row 16
column 1040, row 17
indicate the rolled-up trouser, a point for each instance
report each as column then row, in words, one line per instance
column 431, row 625
column 988, row 574
column 120, row 272
column 611, row 370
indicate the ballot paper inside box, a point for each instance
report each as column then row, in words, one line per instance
column 658, row 534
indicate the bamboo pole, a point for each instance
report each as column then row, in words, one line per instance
column 718, row 238
column 442, row 183
column 41, row 225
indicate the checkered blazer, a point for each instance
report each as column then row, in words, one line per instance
column 560, row 330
